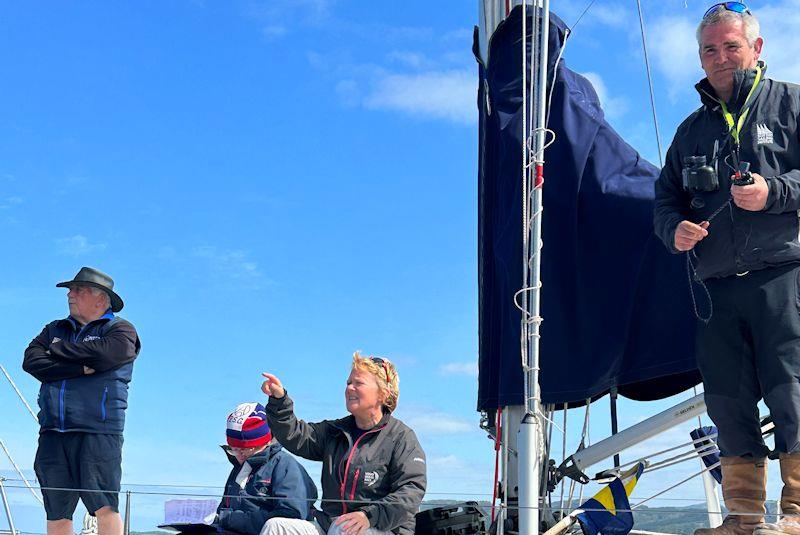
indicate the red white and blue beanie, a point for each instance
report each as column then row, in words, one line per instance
column 247, row 426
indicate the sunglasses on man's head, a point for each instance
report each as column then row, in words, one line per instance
column 736, row 7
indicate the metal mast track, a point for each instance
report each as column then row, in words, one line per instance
column 531, row 436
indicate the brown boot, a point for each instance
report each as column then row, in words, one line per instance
column 790, row 499
column 744, row 489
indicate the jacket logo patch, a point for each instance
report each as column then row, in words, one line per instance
column 370, row 478
column 763, row 134
column 91, row 338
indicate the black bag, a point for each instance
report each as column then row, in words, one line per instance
column 457, row 519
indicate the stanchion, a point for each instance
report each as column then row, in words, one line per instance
column 127, row 525
column 11, row 527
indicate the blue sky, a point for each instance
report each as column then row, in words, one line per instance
column 274, row 185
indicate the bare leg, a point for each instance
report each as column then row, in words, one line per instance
column 59, row 527
column 108, row 521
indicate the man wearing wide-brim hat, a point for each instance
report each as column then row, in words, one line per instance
column 85, row 363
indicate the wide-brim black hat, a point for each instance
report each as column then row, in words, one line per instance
column 96, row 279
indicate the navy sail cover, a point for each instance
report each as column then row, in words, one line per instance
column 615, row 302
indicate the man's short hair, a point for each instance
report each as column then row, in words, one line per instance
column 721, row 15
column 106, row 297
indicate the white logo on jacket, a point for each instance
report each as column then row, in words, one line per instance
column 763, row 134
column 91, row 338
column 370, row 478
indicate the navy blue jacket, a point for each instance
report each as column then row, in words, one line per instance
column 738, row 240
column 69, row 400
column 278, row 486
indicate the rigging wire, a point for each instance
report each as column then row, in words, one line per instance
column 713, row 466
column 650, row 83
column 588, row 6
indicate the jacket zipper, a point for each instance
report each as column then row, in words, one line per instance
column 61, row 403
column 355, row 482
column 343, row 487
column 103, row 403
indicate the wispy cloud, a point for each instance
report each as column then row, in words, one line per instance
column 781, row 46
column 673, row 47
column 10, row 202
column 414, row 60
column 448, row 94
column 430, row 83
column 233, row 263
column 439, row 424
column 454, row 475
column 78, row 245
column 274, row 31
column 459, row 368
column 277, row 18
column 614, row 107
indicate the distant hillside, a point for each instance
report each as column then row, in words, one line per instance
column 677, row 520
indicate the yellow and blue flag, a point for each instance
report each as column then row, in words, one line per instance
column 609, row 511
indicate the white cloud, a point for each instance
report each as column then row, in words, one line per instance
column 613, row 107
column 273, row 31
column 459, row 368
column 779, row 24
column 78, row 245
column 452, row 476
column 461, row 35
column 446, row 95
column 348, row 92
column 439, row 424
column 673, row 47
column 447, row 462
column 278, row 17
column 615, row 16
column 8, row 202
column 414, row 60
column 233, row 263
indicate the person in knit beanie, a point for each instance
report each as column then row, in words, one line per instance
column 268, row 492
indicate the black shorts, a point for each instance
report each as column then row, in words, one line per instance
column 83, row 464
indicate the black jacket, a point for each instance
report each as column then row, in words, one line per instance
column 68, row 399
column 385, row 466
column 276, row 486
column 738, row 240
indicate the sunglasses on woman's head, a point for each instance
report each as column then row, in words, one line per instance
column 378, row 360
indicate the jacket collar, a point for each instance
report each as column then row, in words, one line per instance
column 108, row 316
column 348, row 423
column 742, row 82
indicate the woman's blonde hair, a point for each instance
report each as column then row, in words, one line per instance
column 385, row 373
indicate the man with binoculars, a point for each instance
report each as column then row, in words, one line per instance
column 728, row 197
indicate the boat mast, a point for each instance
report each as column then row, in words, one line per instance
column 531, row 438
